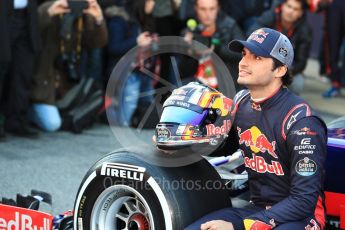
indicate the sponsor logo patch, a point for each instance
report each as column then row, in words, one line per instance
column 180, row 91
column 163, row 133
column 256, row 224
column 306, row 167
column 177, row 103
column 305, row 147
column 283, row 52
column 313, row 225
column 292, row 120
column 304, row 131
column 255, row 106
column 177, row 97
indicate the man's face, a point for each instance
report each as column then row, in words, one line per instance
column 255, row 71
column 291, row 11
column 206, row 11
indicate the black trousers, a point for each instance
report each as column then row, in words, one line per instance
column 16, row 75
column 336, row 33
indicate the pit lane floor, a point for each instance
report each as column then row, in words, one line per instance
column 54, row 163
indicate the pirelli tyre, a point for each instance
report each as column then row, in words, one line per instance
column 122, row 191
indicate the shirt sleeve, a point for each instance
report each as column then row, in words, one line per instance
column 307, row 145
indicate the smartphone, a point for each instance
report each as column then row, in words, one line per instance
column 77, row 6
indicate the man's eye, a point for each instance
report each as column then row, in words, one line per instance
column 257, row 57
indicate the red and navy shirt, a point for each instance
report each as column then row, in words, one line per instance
column 284, row 146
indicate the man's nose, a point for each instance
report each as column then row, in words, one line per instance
column 243, row 61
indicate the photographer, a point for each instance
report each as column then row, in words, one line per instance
column 60, row 59
column 131, row 25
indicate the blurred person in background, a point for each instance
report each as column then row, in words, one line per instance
column 335, row 36
column 123, row 31
column 165, row 16
column 131, row 24
column 321, row 8
column 19, row 43
column 289, row 18
column 245, row 12
column 215, row 28
column 94, row 59
column 49, row 78
column 185, row 11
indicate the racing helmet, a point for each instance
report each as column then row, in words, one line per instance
column 194, row 113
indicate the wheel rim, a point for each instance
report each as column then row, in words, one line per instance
column 121, row 207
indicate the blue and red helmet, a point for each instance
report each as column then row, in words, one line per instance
column 194, row 113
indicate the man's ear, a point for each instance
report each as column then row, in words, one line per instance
column 280, row 71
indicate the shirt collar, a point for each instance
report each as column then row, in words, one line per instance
column 260, row 104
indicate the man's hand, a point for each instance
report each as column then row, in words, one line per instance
column 58, row 7
column 205, row 52
column 149, row 6
column 144, row 39
column 177, row 4
column 154, row 139
column 95, row 11
column 188, row 37
column 217, row 225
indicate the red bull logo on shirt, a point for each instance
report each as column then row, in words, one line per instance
column 257, row 141
column 258, row 164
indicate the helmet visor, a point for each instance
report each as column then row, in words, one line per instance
column 182, row 116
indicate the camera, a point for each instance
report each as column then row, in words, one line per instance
column 68, row 64
column 155, row 42
column 77, row 6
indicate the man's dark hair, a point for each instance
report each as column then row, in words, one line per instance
column 287, row 78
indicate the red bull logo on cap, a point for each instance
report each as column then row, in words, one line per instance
column 257, row 141
column 258, row 36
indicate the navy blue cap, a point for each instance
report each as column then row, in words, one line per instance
column 266, row 42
